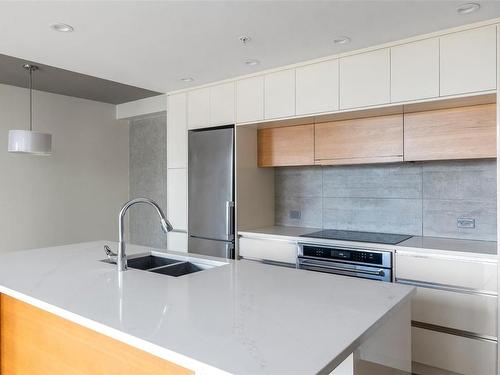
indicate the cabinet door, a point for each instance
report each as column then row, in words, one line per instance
column 468, row 61
column 445, row 134
column 365, row 79
column 177, row 131
column 359, row 141
column 415, row 70
column 177, row 198
column 317, row 88
column 177, row 241
column 279, row 94
column 198, row 108
column 250, row 99
column 286, row 146
column 275, row 250
column 458, row 354
column 222, row 104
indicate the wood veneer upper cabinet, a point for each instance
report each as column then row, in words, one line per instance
column 457, row 133
column 360, row 141
column 286, row 146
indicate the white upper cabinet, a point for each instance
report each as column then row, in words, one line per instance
column 250, row 99
column 317, row 88
column 222, row 104
column 468, row 61
column 198, row 108
column 177, row 131
column 279, row 94
column 365, row 79
column 415, row 70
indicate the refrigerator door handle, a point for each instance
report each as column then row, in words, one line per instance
column 230, row 220
column 230, row 251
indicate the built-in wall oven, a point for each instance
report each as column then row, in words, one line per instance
column 349, row 261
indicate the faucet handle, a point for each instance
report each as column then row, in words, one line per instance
column 110, row 254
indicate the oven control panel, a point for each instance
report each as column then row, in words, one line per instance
column 337, row 253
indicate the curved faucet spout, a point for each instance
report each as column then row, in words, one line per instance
column 165, row 225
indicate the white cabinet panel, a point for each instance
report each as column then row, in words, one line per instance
column 222, row 104
column 317, row 88
column 365, row 79
column 279, row 94
column 177, row 241
column 468, row 61
column 346, row 367
column 276, row 250
column 454, row 272
column 177, row 131
column 177, row 198
column 454, row 353
column 415, row 70
column 466, row 312
column 198, row 108
column 250, row 99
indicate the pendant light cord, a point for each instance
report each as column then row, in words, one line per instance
column 31, row 98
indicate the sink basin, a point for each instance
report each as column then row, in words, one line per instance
column 180, row 269
column 149, row 261
column 171, row 265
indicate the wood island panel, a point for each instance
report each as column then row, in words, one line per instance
column 35, row 342
column 359, row 141
column 286, row 146
column 456, row 133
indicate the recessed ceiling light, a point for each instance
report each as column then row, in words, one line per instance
column 252, row 62
column 244, row 39
column 342, row 40
column 62, row 27
column 468, row 8
column 187, row 79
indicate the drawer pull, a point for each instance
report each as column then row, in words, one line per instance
column 447, row 287
column 453, row 331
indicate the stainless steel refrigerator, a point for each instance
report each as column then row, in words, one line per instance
column 211, row 192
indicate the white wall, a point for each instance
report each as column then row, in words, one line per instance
column 74, row 194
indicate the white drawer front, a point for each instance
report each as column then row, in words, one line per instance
column 278, row 251
column 454, row 353
column 466, row 312
column 461, row 273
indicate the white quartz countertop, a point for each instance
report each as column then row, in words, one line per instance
column 484, row 249
column 243, row 317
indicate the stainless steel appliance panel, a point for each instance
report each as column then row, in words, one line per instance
column 211, row 184
column 222, row 249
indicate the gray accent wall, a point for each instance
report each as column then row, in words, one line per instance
column 410, row 198
column 148, row 178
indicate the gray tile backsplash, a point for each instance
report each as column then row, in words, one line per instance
column 387, row 215
column 409, row 198
column 147, row 178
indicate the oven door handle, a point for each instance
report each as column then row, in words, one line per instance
column 379, row 272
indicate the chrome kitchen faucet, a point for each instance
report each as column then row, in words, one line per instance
column 121, row 257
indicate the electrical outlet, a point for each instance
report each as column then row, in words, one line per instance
column 295, row 214
column 466, row 222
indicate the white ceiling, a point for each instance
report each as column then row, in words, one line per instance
column 153, row 44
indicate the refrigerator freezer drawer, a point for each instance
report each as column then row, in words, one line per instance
column 214, row 248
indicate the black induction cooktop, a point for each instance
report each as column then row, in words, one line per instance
column 349, row 235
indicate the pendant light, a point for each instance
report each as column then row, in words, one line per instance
column 30, row 141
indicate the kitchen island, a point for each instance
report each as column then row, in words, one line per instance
column 241, row 317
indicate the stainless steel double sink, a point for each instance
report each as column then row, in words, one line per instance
column 171, row 265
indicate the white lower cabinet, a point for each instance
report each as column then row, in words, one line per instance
column 458, row 354
column 468, row 312
column 274, row 250
column 454, row 312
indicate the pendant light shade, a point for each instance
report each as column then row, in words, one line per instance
column 30, row 141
